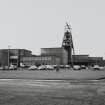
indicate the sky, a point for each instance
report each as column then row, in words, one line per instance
column 35, row 24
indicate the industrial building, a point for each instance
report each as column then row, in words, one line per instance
column 96, row 60
column 59, row 52
column 64, row 55
column 40, row 60
column 87, row 60
column 49, row 56
column 80, row 59
column 12, row 56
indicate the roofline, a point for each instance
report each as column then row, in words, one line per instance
column 52, row 48
column 15, row 49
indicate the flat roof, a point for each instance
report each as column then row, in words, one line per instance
column 54, row 48
column 15, row 49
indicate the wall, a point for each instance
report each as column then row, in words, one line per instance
column 58, row 52
column 38, row 60
column 80, row 59
column 3, row 58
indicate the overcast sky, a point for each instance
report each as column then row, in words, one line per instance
column 35, row 24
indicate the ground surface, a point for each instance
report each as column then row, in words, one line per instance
column 62, row 74
column 63, row 87
column 52, row 92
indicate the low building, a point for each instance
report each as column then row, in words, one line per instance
column 12, row 56
column 80, row 59
column 40, row 60
column 49, row 56
column 86, row 60
column 96, row 61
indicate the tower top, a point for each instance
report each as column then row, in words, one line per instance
column 67, row 39
column 67, row 27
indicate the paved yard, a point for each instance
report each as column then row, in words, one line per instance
column 63, row 74
column 52, row 92
column 52, row 88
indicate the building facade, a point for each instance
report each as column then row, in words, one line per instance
column 4, row 58
column 59, row 52
column 87, row 60
column 96, row 61
column 13, row 56
column 40, row 60
column 80, row 59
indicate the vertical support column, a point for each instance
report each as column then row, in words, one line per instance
column 8, row 57
column 69, row 56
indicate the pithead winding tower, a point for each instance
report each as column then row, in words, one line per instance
column 67, row 43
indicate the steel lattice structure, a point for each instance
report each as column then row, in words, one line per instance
column 67, row 43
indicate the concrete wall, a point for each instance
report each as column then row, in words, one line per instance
column 96, row 61
column 58, row 52
column 80, row 59
column 86, row 60
column 38, row 60
column 14, row 55
column 3, row 58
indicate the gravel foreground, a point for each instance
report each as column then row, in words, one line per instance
column 52, row 92
column 52, row 88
